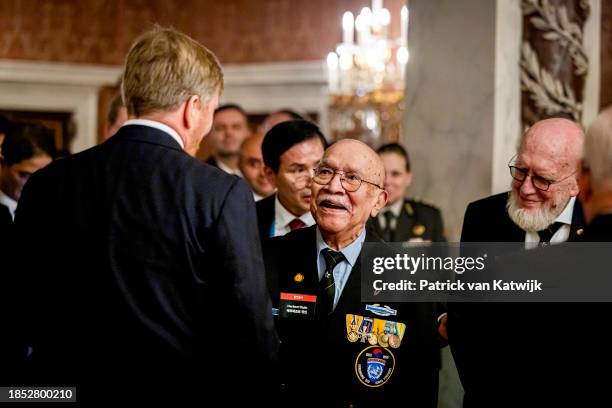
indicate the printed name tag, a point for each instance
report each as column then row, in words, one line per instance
column 297, row 306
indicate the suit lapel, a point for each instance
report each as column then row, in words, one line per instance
column 578, row 223
column 302, row 262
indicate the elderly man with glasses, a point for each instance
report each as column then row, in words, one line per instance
column 541, row 206
column 340, row 351
column 487, row 340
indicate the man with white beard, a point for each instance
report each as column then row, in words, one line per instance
column 541, row 207
column 488, row 340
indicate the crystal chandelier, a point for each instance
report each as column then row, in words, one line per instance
column 366, row 76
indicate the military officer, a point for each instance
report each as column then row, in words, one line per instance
column 404, row 219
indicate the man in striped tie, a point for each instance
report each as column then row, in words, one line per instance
column 362, row 354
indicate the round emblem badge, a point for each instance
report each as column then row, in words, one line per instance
column 374, row 366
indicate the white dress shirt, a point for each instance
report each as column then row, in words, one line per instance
column 532, row 239
column 9, row 202
column 282, row 218
column 227, row 169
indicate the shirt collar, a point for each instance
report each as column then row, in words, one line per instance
column 9, row 203
column 283, row 217
column 157, row 125
column 228, row 169
column 395, row 208
column 351, row 252
column 566, row 215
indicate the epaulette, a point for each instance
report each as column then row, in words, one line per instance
column 422, row 202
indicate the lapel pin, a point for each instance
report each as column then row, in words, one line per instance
column 298, row 278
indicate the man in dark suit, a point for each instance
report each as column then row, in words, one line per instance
column 291, row 150
column 145, row 277
column 355, row 353
column 230, row 128
column 543, row 194
column 540, row 209
column 404, row 220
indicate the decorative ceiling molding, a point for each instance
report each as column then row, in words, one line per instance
column 305, row 72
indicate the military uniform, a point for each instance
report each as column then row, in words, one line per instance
column 361, row 354
column 414, row 220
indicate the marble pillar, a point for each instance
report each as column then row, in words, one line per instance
column 462, row 117
column 462, row 100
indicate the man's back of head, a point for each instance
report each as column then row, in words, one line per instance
column 173, row 79
column 596, row 178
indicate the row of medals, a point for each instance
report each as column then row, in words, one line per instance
column 384, row 339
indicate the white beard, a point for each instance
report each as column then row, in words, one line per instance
column 532, row 220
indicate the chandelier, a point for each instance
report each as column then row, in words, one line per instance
column 366, row 76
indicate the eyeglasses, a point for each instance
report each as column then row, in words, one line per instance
column 350, row 181
column 539, row 182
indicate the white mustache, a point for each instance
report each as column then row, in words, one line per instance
column 335, row 200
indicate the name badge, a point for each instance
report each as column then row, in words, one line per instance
column 297, row 306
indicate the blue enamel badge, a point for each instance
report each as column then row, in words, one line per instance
column 374, row 366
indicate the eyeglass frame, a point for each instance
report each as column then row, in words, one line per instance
column 550, row 182
column 342, row 179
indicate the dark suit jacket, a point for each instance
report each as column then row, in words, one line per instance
column 6, row 221
column 486, row 220
column 212, row 161
column 265, row 215
column 143, row 267
column 416, row 220
column 507, row 354
column 317, row 359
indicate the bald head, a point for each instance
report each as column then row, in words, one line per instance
column 252, row 143
column 372, row 166
column 557, row 138
column 252, row 167
column 340, row 206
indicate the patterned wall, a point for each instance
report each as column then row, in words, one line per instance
column 238, row 31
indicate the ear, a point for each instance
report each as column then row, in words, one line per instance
column 191, row 111
column 409, row 179
column 381, row 201
column 576, row 183
column 270, row 175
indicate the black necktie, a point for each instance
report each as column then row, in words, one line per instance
column 327, row 285
column 388, row 232
column 547, row 234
